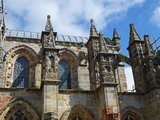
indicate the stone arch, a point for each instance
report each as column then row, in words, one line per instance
column 123, row 58
column 131, row 111
column 77, row 110
column 73, row 61
column 82, row 56
column 124, row 73
column 22, row 106
column 12, row 55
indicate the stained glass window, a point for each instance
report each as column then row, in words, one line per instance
column 64, row 74
column 18, row 115
column 21, row 73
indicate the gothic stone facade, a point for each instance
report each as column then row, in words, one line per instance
column 48, row 79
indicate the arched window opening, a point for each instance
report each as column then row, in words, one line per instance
column 64, row 74
column 19, row 115
column 130, row 115
column 129, row 118
column 76, row 118
column 124, row 77
column 21, row 73
column 129, row 78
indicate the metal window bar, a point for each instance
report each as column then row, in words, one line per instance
column 69, row 38
column 75, row 38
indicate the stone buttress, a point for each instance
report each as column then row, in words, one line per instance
column 49, row 74
column 102, row 55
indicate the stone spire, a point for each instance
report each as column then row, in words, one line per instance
column 116, row 38
column 115, row 33
column 48, row 26
column 148, row 47
column 50, row 35
column 133, row 34
column 93, row 31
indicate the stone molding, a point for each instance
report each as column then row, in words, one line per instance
column 15, row 104
column 77, row 110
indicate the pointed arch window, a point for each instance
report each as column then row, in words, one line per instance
column 64, row 74
column 21, row 73
column 19, row 115
column 76, row 118
column 129, row 118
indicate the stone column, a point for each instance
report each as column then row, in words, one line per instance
column 50, row 97
column 50, row 83
column 108, row 102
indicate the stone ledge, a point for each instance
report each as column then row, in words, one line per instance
column 20, row 89
column 49, row 81
column 68, row 91
column 129, row 93
column 21, row 39
column 108, row 84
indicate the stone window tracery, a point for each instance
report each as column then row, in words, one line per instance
column 18, row 115
column 64, row 74
column 21, row 73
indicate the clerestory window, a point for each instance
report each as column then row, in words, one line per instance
column 21, row 73
column 64, row 74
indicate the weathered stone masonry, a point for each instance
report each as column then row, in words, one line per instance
column 89, row 84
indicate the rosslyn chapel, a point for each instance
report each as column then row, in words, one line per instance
column 48, row 76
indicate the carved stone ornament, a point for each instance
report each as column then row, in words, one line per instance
column 49, row 40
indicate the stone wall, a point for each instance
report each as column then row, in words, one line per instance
column 132, row 104
column 9, row 97
column 68, row 99
column 152, row 103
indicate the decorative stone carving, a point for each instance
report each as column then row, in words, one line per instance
column 82, row 58
column 106, row 67
column 50, row 65
column 49, row 35
column 49, row 40
column 97, row 72
column 50, row 116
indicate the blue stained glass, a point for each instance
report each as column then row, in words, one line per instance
column 21, row 73
column 64, row 75
column 18, row 115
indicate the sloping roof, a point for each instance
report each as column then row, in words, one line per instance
column 36, row 35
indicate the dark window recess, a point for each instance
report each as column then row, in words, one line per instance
column 76, row 118
column 21, row 73
column 64, row 74
column 18, row 115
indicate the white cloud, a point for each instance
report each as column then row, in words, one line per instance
column 129, row 78
column 68, row 16
column 156, row 16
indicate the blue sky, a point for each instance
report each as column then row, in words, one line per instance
column 72, row 17
column 142, row 17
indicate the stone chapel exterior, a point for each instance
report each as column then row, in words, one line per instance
column 51, row 78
